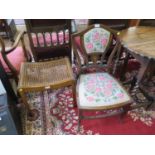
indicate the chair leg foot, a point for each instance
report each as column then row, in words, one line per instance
column 33, row 114
column 125, row 110
column 74, row 95
column 78, row 128
column 79, row 120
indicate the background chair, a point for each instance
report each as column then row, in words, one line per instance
column 12, row 57
column 98, row 90
column 49, row 38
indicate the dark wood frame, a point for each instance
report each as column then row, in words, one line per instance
column 117, row 24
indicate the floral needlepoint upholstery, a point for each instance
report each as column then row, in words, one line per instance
column 96, row 40
column 100, row 89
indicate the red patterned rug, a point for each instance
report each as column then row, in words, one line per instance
column 58, row 116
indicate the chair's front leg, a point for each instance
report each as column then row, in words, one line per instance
column 79, row 119
column 125, row 108
column 74, row 94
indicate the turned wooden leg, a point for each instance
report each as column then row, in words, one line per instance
column 74, row 94
column 133, row 83
column 32, row 113
column 79, row 119
column 125, row 65
column 142, row 71
column 125, row 110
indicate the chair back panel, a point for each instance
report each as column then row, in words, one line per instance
column 48, row 37
column 96, row 40
column 95, row 43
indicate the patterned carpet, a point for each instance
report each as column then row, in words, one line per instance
column 58, row 115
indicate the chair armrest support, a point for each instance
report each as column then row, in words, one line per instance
column 20, row 35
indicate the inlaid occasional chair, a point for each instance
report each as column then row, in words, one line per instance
column 98, row 90
column 12, row 57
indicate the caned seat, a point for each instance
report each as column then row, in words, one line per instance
column 39, row 76
column 43, row 74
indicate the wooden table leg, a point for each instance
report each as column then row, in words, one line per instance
column 125, row 65
column 142, row 72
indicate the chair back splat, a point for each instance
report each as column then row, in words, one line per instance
column 98, row 47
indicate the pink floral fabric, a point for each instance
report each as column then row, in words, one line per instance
column 96, row 40
column 50, row 38
column 100, row 89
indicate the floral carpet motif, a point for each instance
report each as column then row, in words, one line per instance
column 58, row 116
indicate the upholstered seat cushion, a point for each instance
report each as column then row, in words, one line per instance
column 100, row 90
column 16, row 57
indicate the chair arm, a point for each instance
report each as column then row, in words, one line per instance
column 110, row 59
column 20, row 35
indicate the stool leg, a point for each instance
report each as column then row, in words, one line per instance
column 74, row 94
column 24, row 99
column 32, row 113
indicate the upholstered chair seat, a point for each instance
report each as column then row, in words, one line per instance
column 100, row 90
column 16, row 58
column 12, row 57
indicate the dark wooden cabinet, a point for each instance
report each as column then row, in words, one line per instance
column 117, row 24
column 147, row 22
